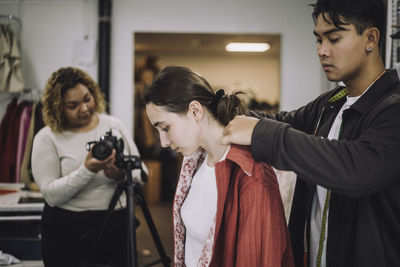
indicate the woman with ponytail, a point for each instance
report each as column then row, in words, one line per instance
column 227, row 207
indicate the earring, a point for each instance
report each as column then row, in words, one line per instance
column 369, row 50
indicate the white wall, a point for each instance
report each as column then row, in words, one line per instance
column 51, row 27
column 49, row 31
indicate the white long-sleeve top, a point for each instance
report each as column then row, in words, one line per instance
column 58, row 167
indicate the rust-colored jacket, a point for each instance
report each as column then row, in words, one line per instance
column 250, row 227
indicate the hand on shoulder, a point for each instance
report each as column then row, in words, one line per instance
column 239, row 130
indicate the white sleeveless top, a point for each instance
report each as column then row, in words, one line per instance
column 198, row 211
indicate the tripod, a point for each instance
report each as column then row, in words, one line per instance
column 131, row 188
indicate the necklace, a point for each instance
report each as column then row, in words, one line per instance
column 347, row 91
column 380, row 75
column 377, row 78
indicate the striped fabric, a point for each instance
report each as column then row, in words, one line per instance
column 250, row 227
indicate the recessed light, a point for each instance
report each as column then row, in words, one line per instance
column 247, row 47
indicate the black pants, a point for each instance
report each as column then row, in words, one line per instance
column 68, row 237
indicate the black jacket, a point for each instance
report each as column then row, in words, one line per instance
column 362, row 170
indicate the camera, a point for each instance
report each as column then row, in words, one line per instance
column 102, row 149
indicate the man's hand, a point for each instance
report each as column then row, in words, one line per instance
column 239, row 130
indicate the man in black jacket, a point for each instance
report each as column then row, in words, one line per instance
column 344, row 146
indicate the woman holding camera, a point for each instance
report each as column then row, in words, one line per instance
column 77, row 187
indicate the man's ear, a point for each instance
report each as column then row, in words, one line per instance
column 372, row 39
column 195, row 110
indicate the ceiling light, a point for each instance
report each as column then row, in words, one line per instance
column 247, row 47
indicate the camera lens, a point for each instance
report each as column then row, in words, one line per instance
column 101, row 150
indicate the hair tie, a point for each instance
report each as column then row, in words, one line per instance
column 216, row 98
column 218, row 95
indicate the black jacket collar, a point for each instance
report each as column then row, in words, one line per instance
column 377, row 90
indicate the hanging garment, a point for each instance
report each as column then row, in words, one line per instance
column 11, row 79
column 9, row 141
column 11, row 108
column 22, row 138
column 35, row 125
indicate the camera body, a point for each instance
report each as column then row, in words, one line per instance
column 103, row 148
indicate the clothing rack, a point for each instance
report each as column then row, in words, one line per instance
column 33, row 95
column 29, row 94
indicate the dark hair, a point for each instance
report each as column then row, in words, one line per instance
column 175, row 87
column 57, row 85
column 362, row 14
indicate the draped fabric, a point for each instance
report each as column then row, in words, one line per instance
column 18, row 127
column 249, row 227
column 11, row 79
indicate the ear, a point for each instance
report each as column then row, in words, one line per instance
column 196, row 110
column 372, row 39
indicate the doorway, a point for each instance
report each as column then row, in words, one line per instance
column 256, row 74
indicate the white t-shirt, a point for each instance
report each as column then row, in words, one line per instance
column 58, row 167
column 320, row 196
column 198, row 211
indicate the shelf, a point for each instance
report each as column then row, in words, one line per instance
column 20, row 218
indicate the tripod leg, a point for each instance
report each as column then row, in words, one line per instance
column 117, row 193
column 131, row 229
column 156, row 238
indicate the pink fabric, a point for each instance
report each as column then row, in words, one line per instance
column 250, row 227
column 22, row 135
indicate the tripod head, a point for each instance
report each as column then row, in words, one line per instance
column 129, row 163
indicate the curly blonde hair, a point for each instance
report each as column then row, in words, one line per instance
column 57, row 85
